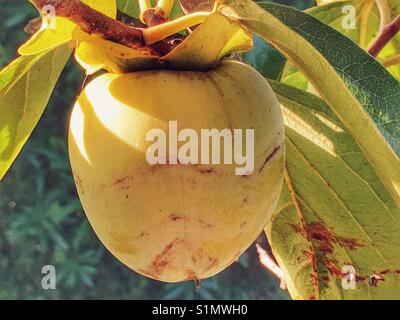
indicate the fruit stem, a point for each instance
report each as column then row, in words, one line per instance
column 159, row 32
column 144, row 5
column 166, row 6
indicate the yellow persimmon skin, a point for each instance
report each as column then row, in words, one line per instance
column 175, row 222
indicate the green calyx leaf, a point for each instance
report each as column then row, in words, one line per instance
column 211, row 41
column 215, row 38
column 25, row 88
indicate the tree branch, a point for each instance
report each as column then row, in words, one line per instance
column 94, row 22
column 386, row 35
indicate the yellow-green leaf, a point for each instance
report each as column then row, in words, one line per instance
column 25, row 88
column 48, row 38
column 108, row 7
column 366, row 30
column 62, row 30
column 334, row 214
column 129, row 7
column 356, row 87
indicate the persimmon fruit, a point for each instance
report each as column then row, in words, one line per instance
column 175, row 222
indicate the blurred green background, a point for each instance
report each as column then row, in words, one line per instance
column 42, row 222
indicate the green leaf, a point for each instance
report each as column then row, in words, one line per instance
column 176, row 10
column 48, row 39
column 356, row 87
column 131, row 8
column 108, row 7
column 266, row 59
column 333, row 211
column 366, row 28
column 367, row 19
column 25, row 88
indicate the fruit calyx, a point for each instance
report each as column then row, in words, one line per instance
column 156, row 25
column 103, row 42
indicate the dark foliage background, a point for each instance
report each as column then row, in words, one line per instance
column 42, row 222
